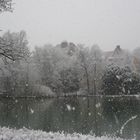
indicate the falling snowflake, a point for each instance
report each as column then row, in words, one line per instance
column 32, row 111
column 16, row 101
column 118, row 77
column 68, row 107
column 73, row 108
column 98, row 105
column 89, row 113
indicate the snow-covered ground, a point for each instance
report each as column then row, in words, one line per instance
column 26, row 134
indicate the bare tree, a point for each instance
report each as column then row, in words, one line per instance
column 6, row 5
column 90, row 62
column 84, row 64
column 96, row 67
column 13, row 46
column 7, row 47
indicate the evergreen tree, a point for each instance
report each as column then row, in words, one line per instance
column 120, row 80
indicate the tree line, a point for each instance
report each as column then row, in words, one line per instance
column 65, row 68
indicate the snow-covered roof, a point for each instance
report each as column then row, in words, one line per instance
column 117, row 53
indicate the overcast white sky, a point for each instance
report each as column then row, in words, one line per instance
column 103, row 22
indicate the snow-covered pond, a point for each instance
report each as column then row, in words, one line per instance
column 115, row 117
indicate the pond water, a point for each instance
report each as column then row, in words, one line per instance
column 98, row 116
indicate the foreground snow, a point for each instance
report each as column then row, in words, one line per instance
column 26, row 134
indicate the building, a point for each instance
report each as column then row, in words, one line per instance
column 120, row 57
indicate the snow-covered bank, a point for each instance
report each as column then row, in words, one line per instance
column 26, row 134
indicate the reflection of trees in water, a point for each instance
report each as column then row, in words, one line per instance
column 22, row 113
column 81, row 115
column 65, row 114
column 92, row 117
column 117, row 111
column 83, row 119
column 8, row 113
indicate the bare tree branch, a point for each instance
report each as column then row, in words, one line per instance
column 6, row 5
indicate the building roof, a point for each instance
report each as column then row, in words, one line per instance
column 117, row 53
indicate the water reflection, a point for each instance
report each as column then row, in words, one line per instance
column 117, row 111
column 99, row 116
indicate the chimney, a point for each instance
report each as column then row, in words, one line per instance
column 117, row 50
column 118, row 47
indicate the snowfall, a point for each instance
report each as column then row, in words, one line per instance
column 26, row 134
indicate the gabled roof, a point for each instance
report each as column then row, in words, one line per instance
column 118, row 52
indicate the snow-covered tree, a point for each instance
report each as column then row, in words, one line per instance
column 53, row 62
column 5, row 5
column 14, row 64
column 69, row 80
column 136, row 59
column 120, row 80
column 90, row 60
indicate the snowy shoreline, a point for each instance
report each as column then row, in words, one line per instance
column 26, row 134
column 67, row 95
